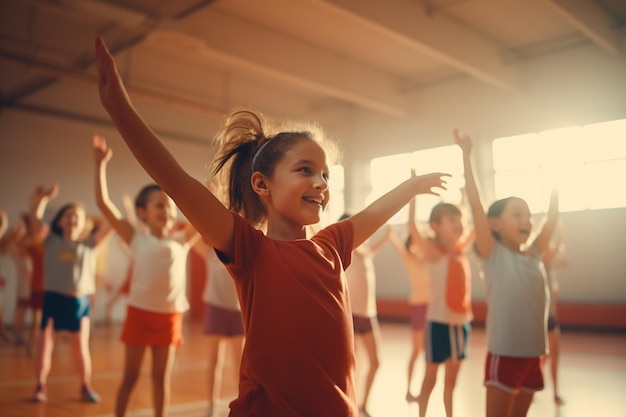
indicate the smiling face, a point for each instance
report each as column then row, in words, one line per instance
column 297, row 192
column 159, row 213
column 448, row 229
column 513, row 226
column 71, row 222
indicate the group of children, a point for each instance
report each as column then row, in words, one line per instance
column 298, row 299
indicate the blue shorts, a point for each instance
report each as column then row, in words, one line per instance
column 362, row 324
column 445, row 341
column 65, row 311
column 222, row 322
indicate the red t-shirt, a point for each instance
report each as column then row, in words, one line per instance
column 298, row 358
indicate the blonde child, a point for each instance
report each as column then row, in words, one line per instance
column 419, row 293
column 69, row 273
column 157, row 297
column 223, row 324
column 517, row 294
column 299, row 353
column 449, row 310
column 361, row 279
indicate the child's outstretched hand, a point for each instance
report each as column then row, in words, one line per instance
column 463, row 140
column 4, row 219
column 427, row 182
column 110, row 85
column 101, row 152
column 42, row 192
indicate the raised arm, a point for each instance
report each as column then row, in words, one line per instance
column 542, row 241
column 102, row 155
column 38, row 202
column 4, row 222
column 207, row 214
column 368, row 220
column 423, row 244
column 482, row 230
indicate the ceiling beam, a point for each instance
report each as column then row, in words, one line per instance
column 436, row 35
column 171, row 100
column 591, row 20
column 263, row 52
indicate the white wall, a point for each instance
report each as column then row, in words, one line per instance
column 37, row 149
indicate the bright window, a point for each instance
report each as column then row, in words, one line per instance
column 581, row 161
column 389, row 171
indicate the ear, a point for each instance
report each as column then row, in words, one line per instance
column 494, row 223
column 259, row 184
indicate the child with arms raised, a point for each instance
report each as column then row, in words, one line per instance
column 419, row 293
column 449, row 311
column 299, row 353
column 69, row 266
column 157, row 297
column 361, row 279
column 517, row 294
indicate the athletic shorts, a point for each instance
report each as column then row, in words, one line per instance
column 418, row 316
column 222, row 322
column 36, row 299
column 553, row 323
column 149, row 328
column 362, row 324
column 445, row 341
column 65, row 311
column 512, row 373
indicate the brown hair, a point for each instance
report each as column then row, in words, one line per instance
column 443, row 209
column 54, row 223
column 246, row 145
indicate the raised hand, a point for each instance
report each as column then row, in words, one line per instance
column 49, row 193
column 427, row 182
column 4, row 222
column 463, row 140
column 110, row 86
column 101, row 151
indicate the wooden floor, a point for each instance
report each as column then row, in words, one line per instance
column 593, row 379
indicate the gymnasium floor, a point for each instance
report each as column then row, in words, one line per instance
column 593, row 379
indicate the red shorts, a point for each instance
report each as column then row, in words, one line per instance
column 148, row 328
column 512, row 374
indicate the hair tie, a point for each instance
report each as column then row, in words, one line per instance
column 264, row 143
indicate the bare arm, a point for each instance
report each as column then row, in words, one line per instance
column 484, row 238
column 102, row 155
column 368, row 220
column 423, row 244
column 38, row 202
column 208, row 215
column 542, row 241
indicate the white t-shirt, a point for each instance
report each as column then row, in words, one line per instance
column 517, row 303
column 219, row 288
column 361, row 279
column 440, row 309
column 159, row 279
